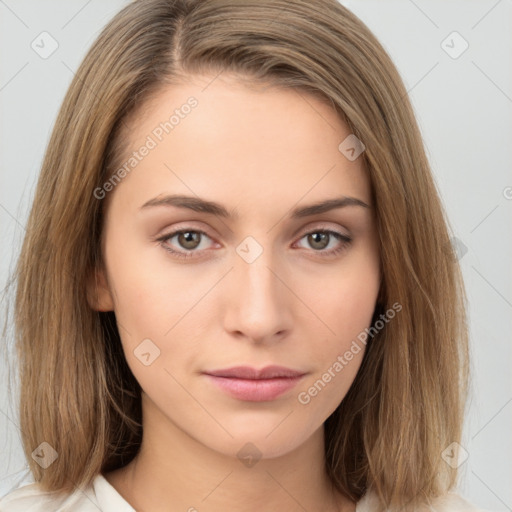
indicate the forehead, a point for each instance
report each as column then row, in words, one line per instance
column 230, row 138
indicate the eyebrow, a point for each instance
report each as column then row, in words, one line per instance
column 202, row 205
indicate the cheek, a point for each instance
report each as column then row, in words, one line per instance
column 349, row 308
column 347, row 311
column 345, row 304
column 150, row 294
column 159, row 308
column 141, row 303
column 346, row 301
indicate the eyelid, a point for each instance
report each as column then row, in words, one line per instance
column 323, row 226
column 162, row 239
column 182, row 227
column 343, row 239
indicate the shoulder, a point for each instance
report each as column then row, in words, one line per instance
column 450, row 502
column 100, row 495
column 31, row 498
column 453, row 502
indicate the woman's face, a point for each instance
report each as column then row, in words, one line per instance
column 257, row 277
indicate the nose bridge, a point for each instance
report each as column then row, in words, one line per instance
column 258, row 287
column 257, row 305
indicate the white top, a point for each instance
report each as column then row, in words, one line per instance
column 101, row 496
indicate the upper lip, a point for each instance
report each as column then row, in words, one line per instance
column 248, row 372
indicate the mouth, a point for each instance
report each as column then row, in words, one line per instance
column 250, row 384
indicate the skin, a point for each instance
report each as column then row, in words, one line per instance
column 261, row 151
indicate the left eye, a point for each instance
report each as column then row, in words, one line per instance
column 190, row 241
column 320, row 239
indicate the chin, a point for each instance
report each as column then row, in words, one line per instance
column 256, row 443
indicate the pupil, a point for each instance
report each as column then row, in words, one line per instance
column 190, row 239
column 317, row 238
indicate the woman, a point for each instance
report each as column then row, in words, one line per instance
column 237, row 289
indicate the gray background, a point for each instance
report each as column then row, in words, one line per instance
column 464, row 108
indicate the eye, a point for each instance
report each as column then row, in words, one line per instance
column 322, row 238
column 188, row 239
column 190, row 242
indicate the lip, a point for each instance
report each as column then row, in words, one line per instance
column 248, row 372
column 251, row 384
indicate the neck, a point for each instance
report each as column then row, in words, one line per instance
column 174, row 470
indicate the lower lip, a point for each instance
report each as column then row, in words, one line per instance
column 255, row 390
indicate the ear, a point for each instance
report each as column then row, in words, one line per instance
column 99, row 296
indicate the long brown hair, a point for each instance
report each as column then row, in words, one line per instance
column 407, row 403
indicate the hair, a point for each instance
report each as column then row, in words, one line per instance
column 77, row 393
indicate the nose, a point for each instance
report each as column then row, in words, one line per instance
column 258, row 304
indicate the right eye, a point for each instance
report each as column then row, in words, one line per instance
column 188, row 239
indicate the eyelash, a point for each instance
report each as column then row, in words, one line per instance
column 344, row 239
